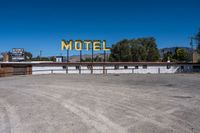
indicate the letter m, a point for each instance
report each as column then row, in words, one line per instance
column 66, row 45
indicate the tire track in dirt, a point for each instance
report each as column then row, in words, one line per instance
column 148, row 115
column 145, row 113
column 91, row 119
column 13, row 118
column 112, row 108
column 4, row 120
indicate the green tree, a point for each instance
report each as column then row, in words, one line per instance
column 151, row 49
column 98, row 59
column 40, row 59
column 168, row 56
column 181, row 54
column 52, row 59
column 121, row 51
column 141, row 49
column 138, row 52
column 115, row 53
column 148, row 50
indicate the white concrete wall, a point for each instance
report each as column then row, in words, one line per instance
column 45, row 70
column 85, row 70
column 111, row 69
column 156, row 69
column 72, row 70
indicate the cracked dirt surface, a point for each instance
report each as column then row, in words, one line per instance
column 100, row 103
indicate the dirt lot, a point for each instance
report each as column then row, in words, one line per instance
column 100, row 103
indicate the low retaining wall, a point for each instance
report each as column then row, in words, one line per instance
column 102, row 70
column 23, row 68
column 9, row 70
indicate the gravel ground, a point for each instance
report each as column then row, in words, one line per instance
column 100, row 103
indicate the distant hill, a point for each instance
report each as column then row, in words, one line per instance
column 172, row 49
column 76, row 58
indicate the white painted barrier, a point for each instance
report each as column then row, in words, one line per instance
column 107, row 70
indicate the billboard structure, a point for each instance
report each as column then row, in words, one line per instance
column 18, row 54
column 88, row 45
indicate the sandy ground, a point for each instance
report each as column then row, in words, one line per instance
column 100, row 104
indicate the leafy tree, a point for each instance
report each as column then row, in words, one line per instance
column 52, row 59
column 88, row 59
column 98, row 59
column 138, row 52
column 115, row 53
column 181, row 54
column 40, row 59
column 121, row 51
column 151, row 49
column 141, row 49
column 168, row 56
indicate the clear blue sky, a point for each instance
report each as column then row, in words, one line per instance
column 41, row 24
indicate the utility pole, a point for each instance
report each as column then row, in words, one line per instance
column 92, row 53
column 68, row 55
column 191, row 44
column 80, row 55
column 40, row 54
column 192, row 47
column 104, row 56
